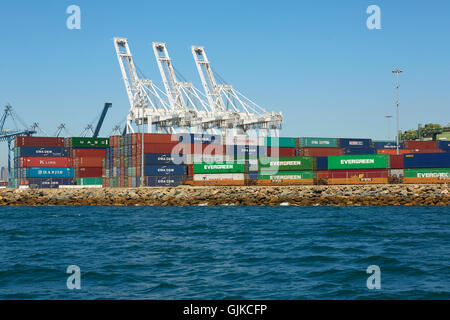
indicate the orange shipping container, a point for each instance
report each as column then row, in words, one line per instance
column 425, row 180
column 218, row 183
column 288, row 182
column 358, row 181
column 154, row 138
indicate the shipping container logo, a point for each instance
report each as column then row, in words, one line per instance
column 440, row 175
column 358, row 161
column 355, row 143
column 284, row 177
column 218, row 166
column 285, row 163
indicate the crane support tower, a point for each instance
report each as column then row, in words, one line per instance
column 183, row 108
column 9, row 135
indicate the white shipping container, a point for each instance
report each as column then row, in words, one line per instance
column 243, row 140
column 219, row 177
column 198, row 158
column 253, row 165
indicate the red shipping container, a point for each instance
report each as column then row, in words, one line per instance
column 38, row 142
column 88, row 172
column 190, row 168
column 393, row 151
column 396, row 161
column 358, row 173
column 157, row 138
column 420, row 144
column 98, row 153
column 26, row 162
column 282, row 152
column 87, row 162
column 426, row 151
column 319, row 152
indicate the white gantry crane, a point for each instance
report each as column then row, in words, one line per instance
column 233, row 108
column 182, row 107
column 183, row 96
column 147, row 103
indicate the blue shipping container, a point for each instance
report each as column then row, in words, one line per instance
column 357, row 151
column 444, row 145
column 355, row 143
column 194, row 138
column 164, row 181
column 155, row 170
column 387, row 145
column 49, row 182
column 163, row 158
column 42, row 152
column 253, row 175
column 426, row 160
column 41, row 172
column 322, row 163
column 241, row 150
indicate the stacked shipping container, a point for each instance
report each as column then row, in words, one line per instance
column 88, row 155
column 286, row 170
column 202, row 159
column 427, row 168
column 41, row 162
column 358, row 169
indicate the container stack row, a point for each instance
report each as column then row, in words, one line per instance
column 208, row 159
column 88, row 156
column 41, row 162
column 151, row 154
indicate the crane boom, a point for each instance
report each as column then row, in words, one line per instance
column 210, row 86
column 102, row 118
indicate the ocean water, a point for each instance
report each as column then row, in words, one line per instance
column 225, row 252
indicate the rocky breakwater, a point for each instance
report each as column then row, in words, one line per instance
column 365, row 195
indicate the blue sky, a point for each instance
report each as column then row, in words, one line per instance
column 315, row 61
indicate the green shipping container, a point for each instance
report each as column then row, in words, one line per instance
column 282, row 142
column 89, row 181
column 427, row 173
column 364, row 161
column 307, row 142
column 224, row 167
column 79, row 142
column 285, row 175
column 286, row 163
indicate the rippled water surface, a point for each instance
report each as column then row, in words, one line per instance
column 225, row 252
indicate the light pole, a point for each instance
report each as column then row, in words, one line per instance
column 397, row 87
column 389, row 126
column 142, row 149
